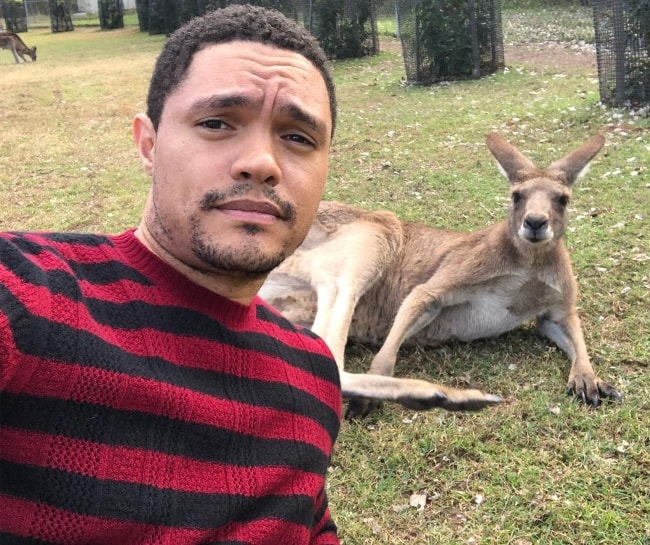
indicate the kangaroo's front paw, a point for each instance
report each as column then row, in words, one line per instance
column 452, row 399
column 360, row 407
column 589, row 389
column 469, row 400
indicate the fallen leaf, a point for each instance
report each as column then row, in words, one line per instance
column 418, row 500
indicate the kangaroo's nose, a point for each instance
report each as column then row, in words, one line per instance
column 535, row 223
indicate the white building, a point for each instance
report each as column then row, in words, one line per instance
column 90, row 6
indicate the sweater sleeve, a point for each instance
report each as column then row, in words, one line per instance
column 324, row 529
column 7, row 345
column 17, row 300
column 7, row 350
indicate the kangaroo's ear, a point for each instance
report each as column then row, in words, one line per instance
column 144, row 136
column 575, row 164
column 511, row 162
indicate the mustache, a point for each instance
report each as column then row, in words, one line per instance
column 215, row 197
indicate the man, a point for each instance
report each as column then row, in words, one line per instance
column 149, row 395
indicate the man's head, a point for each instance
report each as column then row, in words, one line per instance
column 234, row 23
column 237, row 148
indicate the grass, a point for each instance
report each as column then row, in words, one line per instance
column 538, row 469
column 67, row 154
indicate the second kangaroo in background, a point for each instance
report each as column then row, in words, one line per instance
column 15, row 44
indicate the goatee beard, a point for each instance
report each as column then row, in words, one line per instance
column 247, row 259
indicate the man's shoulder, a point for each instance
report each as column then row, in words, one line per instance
column 298, row 337
column 267, row 313
column 36, row 242
column 38, row 257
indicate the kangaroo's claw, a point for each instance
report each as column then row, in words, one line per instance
column 359, row 408
column 591, row 390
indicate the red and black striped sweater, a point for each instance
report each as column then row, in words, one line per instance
column 140, row 408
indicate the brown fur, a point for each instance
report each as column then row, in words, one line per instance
column 370, row 277
column 14, row 43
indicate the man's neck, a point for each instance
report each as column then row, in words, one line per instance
column 239, row 289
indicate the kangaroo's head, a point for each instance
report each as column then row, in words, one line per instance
column 31, row 51
column 539, row 197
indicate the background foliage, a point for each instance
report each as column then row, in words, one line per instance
column 451, row 39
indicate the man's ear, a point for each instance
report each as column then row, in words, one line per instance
column 144, row 136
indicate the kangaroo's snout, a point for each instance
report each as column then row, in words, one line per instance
column 536, row 228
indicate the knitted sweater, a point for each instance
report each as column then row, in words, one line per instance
column 140, row 408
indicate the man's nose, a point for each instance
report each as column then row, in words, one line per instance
column 257, row 160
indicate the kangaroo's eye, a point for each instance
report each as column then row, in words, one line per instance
column 562, row 200
column 516, row 197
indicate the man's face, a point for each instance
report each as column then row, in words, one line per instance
column 239, row 161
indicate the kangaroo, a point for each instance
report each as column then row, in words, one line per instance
column 370, row 277
column 14, row 43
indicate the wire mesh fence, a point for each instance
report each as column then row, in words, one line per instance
column 622, row 31
column 345, row 28
column 439, row 39
column 503, row 25
column 449, row 39
column 523, row 21
column 616, row 33
column 21, row 16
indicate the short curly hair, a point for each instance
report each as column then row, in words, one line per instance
column 235, row 22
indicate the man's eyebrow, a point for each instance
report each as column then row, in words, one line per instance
column 215, row 102
column 302, row 116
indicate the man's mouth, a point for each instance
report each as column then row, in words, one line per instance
column 249, row 210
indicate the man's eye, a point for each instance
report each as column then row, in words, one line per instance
column 299, row 139
column 213, row 124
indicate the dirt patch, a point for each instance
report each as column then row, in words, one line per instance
column 544, row 58
column 552, row 58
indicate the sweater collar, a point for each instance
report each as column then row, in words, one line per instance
column 178, row 285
